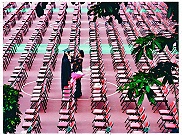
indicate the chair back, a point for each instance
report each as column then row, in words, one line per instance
column 172, row 105
column 108, row 110
column 143, row 117
column 141, row 110
column 105, row 105
column 174, row 111
column 146, row 127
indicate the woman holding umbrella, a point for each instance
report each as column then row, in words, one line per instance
column 77, row 66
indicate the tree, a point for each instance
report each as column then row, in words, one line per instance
column 141, row 82
column 11, row 112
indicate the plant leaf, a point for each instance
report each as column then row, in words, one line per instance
column 157, row 82
column 149, row 53
column 147, row 88
column 140, row 100
column 95, row 18
column 158, row 44
column 136, row 49
column 139, row 55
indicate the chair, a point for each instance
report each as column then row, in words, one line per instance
column 160, row 100
column 34, row 125
column 171, row 126
column 107, row 130
column 101, row 111
column 102, row 118
column 169, row 116
column 145, row 129
column 136, row 119
column 72, row 127
column 139, row 111
column 126, row 102
column 167, row 112
column 137, row 126
column 33, row 117
column 97, row 100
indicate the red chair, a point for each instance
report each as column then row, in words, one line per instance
column 167, row 112
column 135, row 119
column 137, row 126
column 139, row 111
column 171, row 126
column 167, row 117
column 102, row 118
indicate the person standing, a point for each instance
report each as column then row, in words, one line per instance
column 65, row 69
column 77, row 66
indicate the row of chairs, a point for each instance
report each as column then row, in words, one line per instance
column 39, row 97
column 99, row 102
column 18, row 78
column 11, row 22
column 31, row 48
column 136, row 121
column 74, row 40
column 169, row 119
column 7, row 26
column 8, row 7
column 122, row 76
column 10, row 48
column 167, row 92
column 117, row 49
column 67, row 122
column 52, row 49
column 168, row 24
column 61, row 18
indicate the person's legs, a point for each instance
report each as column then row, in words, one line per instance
column 78, row 92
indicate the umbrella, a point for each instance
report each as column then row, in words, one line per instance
column 77, row 75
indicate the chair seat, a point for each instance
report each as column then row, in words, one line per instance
column 167, row 117
column 133, row 117
column 98, row 111
column 26, row 124
column 98, row 99
column 99, row 124
column 29, row 111
column 130, row 111
column 29, row 117
column 138, row 132
column 164, row 111
column 64, row 117
column 64, row 111
column 135, row 125
column 99, row 117
column 62, row 124
column 170, row 125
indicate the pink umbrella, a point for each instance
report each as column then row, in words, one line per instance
column 77, row 75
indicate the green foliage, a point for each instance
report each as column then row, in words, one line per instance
column 164, row 70
column 103, row 9
column 173, row 10
column 146, row 45
column 140, row 85
column 11, row 112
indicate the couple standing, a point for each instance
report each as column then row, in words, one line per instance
column 66, row 70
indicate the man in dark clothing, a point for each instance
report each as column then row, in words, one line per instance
column 65, row 69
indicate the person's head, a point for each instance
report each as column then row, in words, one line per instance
column 81, row 52
column 65, row 55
